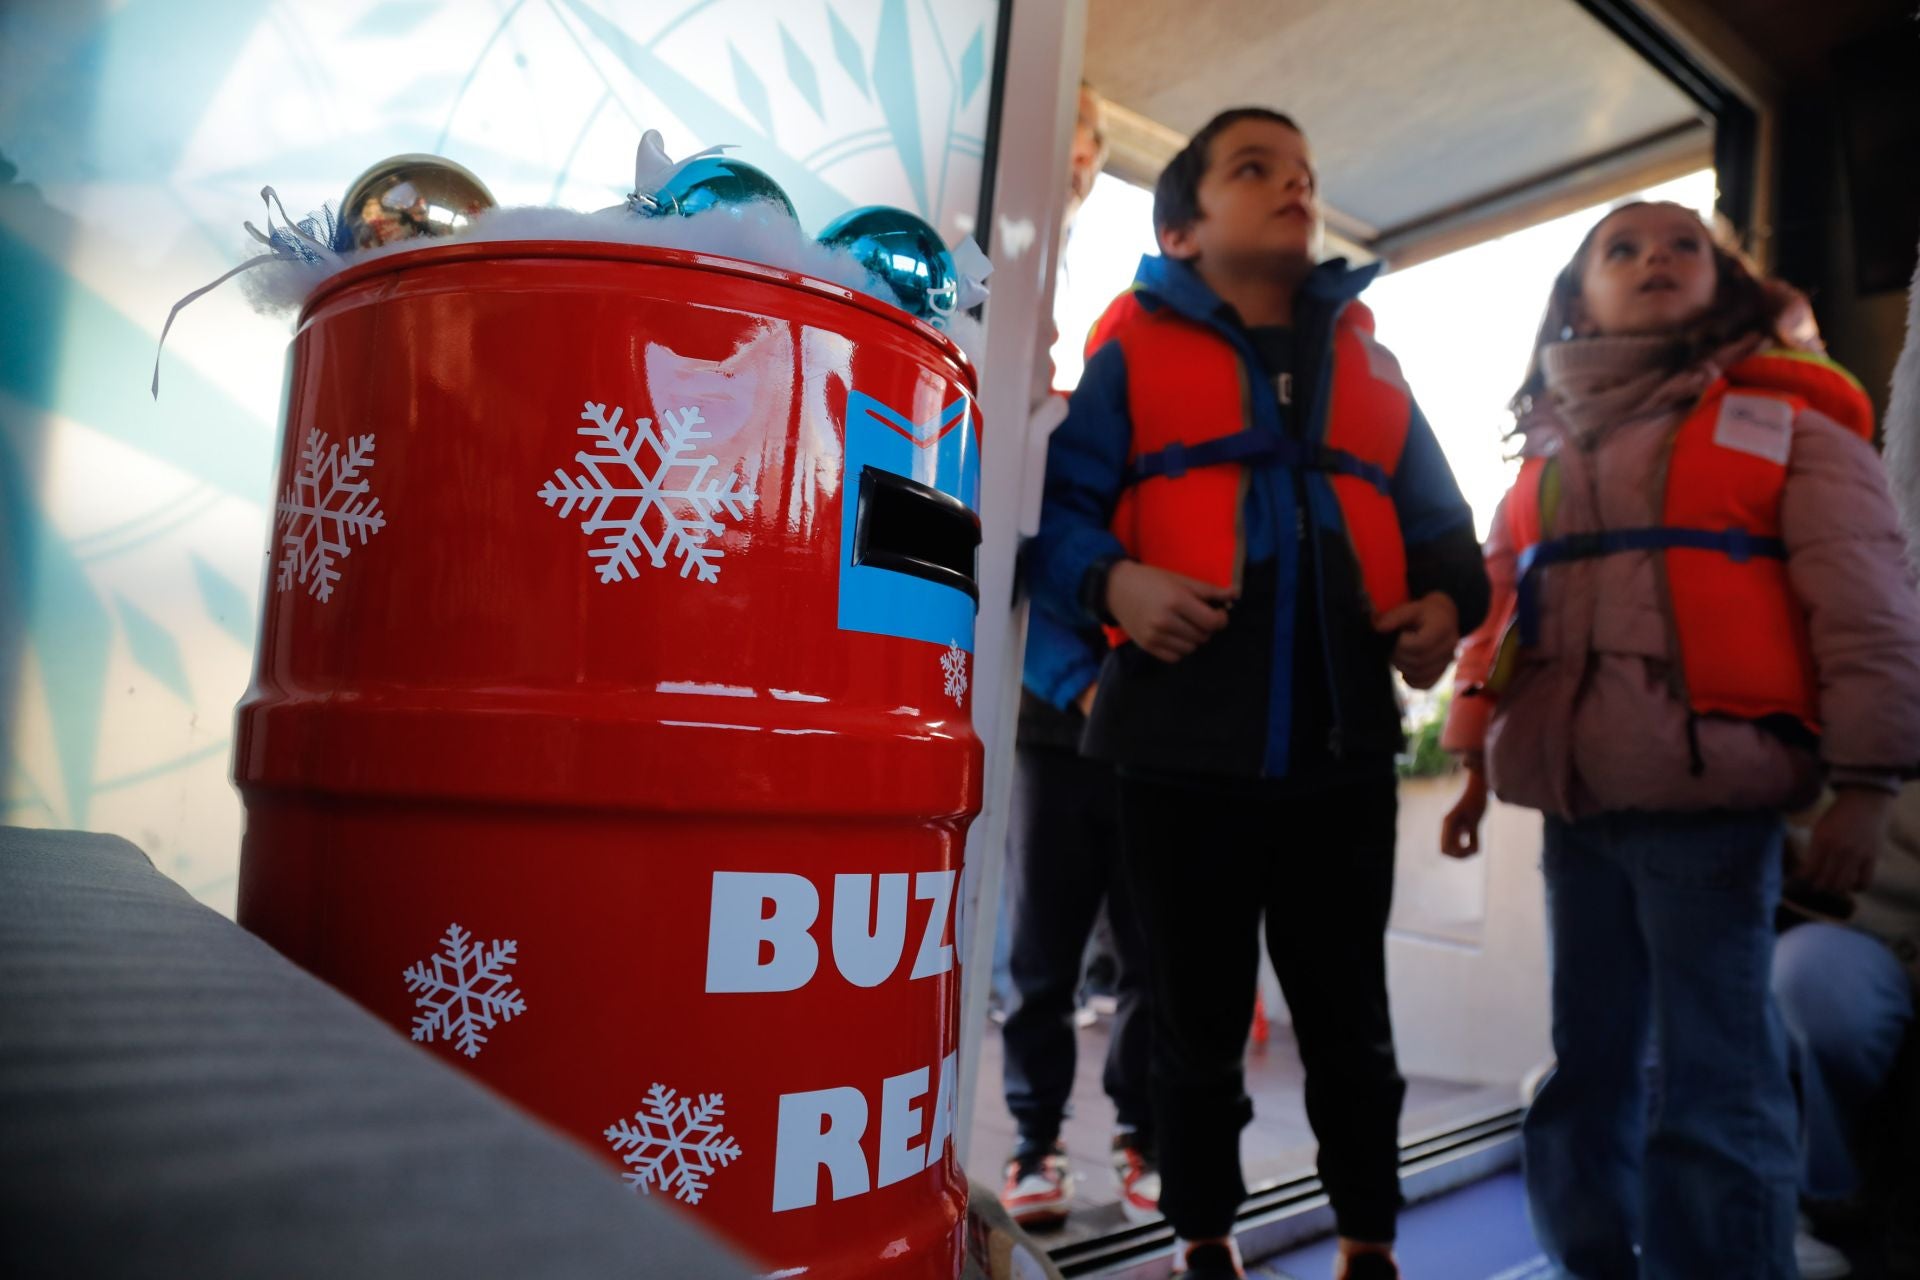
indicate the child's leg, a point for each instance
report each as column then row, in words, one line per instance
column 1128, row 1064
column 1847, row 1005
column 1722, row 1161
column 1188, row 869
column 1329, row 887
column 1582, row 1135
column 1056, row 873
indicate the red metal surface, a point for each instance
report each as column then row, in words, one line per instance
column 474, row 729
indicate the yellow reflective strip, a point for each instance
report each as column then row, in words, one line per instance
column 1813, row 357
column 1506, row 660
column 1549, row 495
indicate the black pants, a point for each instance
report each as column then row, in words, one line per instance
column 1063, row 860
column 1207, row 858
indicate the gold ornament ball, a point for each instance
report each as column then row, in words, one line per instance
column 406, row 197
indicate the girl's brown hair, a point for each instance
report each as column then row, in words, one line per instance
column 1744, row 302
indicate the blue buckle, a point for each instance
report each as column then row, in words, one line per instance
column 1173, row 461
column 1739, row 545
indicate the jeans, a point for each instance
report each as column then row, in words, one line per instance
column 1662, row 923
column 1063, row 861
column 1847, row 1004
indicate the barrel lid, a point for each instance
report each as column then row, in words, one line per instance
column 435, row 254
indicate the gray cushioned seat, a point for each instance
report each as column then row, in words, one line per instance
column 178, row 1100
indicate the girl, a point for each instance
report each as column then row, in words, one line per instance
column 1702, row 612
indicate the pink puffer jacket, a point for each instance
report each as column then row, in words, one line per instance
column 1589, row 722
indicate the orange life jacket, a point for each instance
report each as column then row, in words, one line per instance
column 1194, row 443
column 1740, row 631
column 1120, row 313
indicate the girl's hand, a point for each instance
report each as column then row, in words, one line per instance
column 1846, row 840
column 1460, row 829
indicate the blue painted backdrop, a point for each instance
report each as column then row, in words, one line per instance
column 134, row 138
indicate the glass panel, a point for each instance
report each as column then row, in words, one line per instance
column 137, row 528
column 1465, row 941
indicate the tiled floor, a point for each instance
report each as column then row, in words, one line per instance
column 1277, row 1145
column 1479, row 1232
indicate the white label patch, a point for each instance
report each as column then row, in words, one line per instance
column 1759, row 425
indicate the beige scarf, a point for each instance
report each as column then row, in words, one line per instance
column 1595, row 384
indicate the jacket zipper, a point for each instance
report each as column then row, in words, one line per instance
column 1336, row 744
column 1676, row 670
column 1303, row 526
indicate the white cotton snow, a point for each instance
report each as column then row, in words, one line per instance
column 758, row 232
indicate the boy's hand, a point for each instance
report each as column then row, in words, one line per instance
column 1429, row 632
column 1460, row 829
column 1166, row 613
column 1846, row 840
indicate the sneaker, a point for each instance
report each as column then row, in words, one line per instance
column 1139, row 1179
column 1039, row 1187
column 1817, row 1259
column 1208, row 1260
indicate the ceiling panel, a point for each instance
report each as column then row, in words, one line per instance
column 1414, row 109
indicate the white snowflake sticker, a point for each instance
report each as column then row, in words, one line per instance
column 676, row 1144
column 953, row 666
column 464, row 991
column 646, row 491
column 324, row 512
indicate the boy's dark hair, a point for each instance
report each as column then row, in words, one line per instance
column 1176, row 196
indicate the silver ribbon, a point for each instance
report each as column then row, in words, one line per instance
column 294, row 242
column 652, row 167
column 971, row 264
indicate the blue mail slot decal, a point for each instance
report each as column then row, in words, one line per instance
column 941, row 452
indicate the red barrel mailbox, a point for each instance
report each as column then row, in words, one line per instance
column 610, row 731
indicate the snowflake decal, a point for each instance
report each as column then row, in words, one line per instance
column 646, row 491
column 675, row 1145
column 953, row 665
column 324, row 512
column 464, row 991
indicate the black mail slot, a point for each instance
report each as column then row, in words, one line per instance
column 910, row 527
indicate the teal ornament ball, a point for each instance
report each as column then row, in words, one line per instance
column 904, row 251
column 714, row 182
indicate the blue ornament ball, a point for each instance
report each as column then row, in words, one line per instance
column 710, row 182
column 904, row 251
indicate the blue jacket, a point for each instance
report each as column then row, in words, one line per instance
column 1061, row 661
column 1086, row 462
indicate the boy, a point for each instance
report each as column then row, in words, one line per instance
column 1245, row 492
